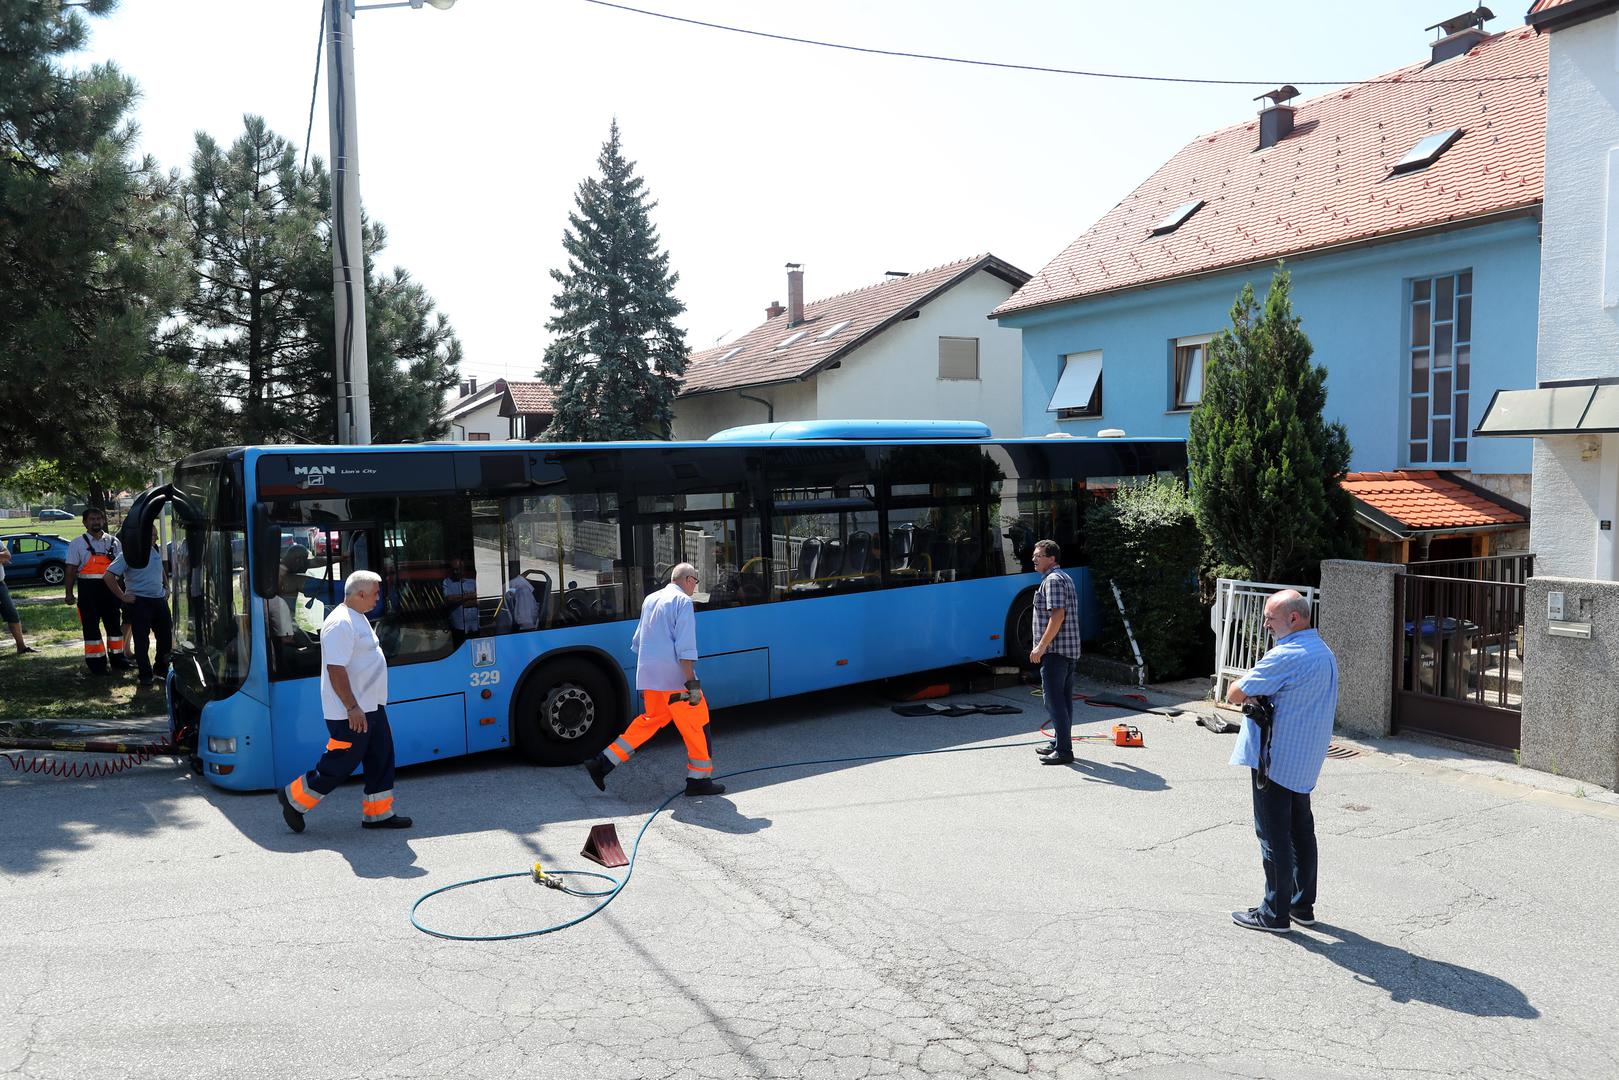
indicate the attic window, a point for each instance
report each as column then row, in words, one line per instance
column 1177, row 218
column 834, row 330
column 791, row 338
column 1426, row 152
column 729, row 354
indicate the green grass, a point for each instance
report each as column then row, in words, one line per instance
column 53, row 684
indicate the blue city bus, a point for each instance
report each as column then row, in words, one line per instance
column 829, row 553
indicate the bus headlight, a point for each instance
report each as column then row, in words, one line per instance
column 217, row 745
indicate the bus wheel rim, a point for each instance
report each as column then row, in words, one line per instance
column 569, row 711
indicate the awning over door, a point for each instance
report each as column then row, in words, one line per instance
column 1078, row 382
column 1587, row 407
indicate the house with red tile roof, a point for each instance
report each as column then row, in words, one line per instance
column 1407, row 209
column 500, row 411
column 913, row 346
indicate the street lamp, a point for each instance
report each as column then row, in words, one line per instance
column 353, row 389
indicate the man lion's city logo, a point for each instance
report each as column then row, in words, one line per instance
column 314, row 475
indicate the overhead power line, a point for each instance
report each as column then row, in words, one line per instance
column 1052, row 70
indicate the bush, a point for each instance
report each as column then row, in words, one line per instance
column 1146, row 540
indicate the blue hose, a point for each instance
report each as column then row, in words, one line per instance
column 609, row 895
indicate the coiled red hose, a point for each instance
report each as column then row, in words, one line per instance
column 127, row 756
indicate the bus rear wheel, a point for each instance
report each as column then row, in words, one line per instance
column 566, row 712
column 1020, row 629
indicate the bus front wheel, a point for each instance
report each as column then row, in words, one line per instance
column 565, row 713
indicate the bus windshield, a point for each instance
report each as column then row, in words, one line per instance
column 209, row 558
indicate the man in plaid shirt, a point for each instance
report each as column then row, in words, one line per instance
column 1056, row 647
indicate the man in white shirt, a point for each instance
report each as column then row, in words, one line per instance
column 665, row 644
column 353, row 688
column 145, row 595
column 88, row 559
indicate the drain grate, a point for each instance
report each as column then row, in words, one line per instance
column 1336, row 751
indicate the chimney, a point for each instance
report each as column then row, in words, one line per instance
column 774, row 309
column 1276, row 119
column 795, row 293
column 1459, row 33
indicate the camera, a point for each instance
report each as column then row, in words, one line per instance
column 1261, row 710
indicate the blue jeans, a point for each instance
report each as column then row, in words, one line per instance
column 1286, row 830
column 1057, row 684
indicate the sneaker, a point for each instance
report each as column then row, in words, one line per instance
column 704, row 787
column 1304, row 916
column 1056, row 759
column 289, row 813
column 396, row 822
column 1045, row 748
column 122, row 665
column 598, row 767
column 1252, row 920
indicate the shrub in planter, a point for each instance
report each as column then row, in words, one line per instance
column 1146, row 540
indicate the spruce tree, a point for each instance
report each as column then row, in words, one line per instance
column 89, row 264
column 617, row 358
column 1265, row 465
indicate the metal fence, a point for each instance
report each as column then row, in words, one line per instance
column 1238, row 619
column 1508, row 569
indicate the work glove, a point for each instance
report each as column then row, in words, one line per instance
column 694, row 692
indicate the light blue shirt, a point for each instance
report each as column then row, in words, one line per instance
column 1300, row 676
column 666, row 635
column 147, row 581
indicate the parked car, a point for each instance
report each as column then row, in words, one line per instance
column 51, row 513
column 36, row 557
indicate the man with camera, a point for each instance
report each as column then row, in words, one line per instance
column 665, row 645
column 1289, row 701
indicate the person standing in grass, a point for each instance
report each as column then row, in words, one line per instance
column 145, row 596
column 8, row 610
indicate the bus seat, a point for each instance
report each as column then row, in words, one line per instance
column 831, row 558
column 967, row 557
column 942, row 553
column 855, row 554
column 809, row 558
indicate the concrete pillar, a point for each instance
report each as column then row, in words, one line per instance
column 1357, row 623
column 1570, row 707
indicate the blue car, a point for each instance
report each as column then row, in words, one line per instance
column 36, row 557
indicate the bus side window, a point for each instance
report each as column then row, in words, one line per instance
column 567, row 549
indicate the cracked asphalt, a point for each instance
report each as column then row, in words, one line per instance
column 967, row 914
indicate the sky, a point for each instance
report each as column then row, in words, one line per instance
column 477, row 124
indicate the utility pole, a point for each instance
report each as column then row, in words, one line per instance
column 353, row 387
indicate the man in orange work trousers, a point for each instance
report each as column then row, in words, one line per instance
column 88, row 560
column 353, row 686
column 665, row 645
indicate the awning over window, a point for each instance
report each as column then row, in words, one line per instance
column 1581, row 408
column 1078, row 382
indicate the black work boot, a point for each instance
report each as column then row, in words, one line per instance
column 289, row 813
column 704, row 787
column 598, row 767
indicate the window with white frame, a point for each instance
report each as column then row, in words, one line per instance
column 958, row 358
column 1188, row 355
column 1440, row 363
column 1079, row 387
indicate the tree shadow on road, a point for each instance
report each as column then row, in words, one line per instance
column 1408, row 977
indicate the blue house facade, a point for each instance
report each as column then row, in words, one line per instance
column 1369, row 315
column 1407, row 210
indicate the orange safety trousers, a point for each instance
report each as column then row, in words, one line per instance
column 691, row 720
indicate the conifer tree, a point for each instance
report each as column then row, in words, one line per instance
column 89, row 266
column 1265, row 465
column 616, row 361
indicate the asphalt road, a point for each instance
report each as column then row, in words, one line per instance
column 956, row 914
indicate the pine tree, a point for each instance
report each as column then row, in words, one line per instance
column 89, row 268
column 262, row 315
column 616, row 361
column 1265, row 465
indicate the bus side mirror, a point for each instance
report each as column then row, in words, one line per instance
column 266, row 541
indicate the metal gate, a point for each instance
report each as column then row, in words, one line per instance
column 1239, row 626
column 1458, row 648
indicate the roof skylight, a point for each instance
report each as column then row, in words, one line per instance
column 834, row 330
column 791, row 338
column 1177, row 217
column 1427, row 150
column 729, row 354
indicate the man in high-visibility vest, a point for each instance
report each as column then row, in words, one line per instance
column 665, row 644
column 89, row 559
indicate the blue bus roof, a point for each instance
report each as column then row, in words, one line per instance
column 858, row 430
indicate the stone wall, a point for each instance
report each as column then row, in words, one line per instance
column 1356, row 622
column 1570, row 703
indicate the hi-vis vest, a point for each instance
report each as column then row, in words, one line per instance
column 95, row 567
